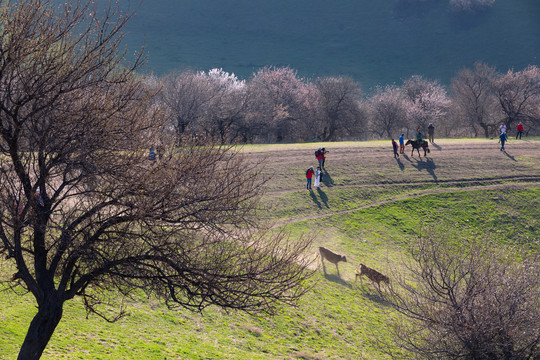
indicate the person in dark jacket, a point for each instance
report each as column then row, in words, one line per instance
column 395, row 146
column 502, row 139
column 431, row 132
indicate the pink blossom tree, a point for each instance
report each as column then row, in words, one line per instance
column 388, row 111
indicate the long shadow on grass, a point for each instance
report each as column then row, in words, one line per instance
column 324, row 198
column 314, row 198
column 326, row 179
column 510, row 156
column 401, row 166
column 436, row 146
column 337, row 279
column 427, row 165
column 374, row 296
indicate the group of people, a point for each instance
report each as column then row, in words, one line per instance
column 503, row 135
column 320, row 154
column 419, row 139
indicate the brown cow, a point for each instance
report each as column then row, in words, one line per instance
column 372, row 275
column 332, row 257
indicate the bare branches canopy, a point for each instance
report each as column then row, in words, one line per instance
column 475, row 300
column 83, row 210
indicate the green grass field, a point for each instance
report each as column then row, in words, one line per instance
column 369, row 208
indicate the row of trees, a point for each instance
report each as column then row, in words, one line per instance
column 275, row 105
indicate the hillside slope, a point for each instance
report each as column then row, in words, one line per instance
column 369, row 208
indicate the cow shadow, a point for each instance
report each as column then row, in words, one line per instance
column 337, row 280
column 375, row 295
column 326, row 179
column 323, row 196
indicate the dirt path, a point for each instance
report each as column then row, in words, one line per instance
column 535, row 183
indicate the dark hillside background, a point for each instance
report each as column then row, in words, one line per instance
column 376, row 42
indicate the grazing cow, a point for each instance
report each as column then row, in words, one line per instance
column 372, row 275
column 332, row 257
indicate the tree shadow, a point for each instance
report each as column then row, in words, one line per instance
column 314, row 198
column 510, row 156
column 326, row 179
column 427, row 165
column 323, row 196
column 337, row 279
column 401, row 166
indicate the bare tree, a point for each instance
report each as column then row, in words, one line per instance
column 473, row 100
column 388, row 111
column 339, row 103
column 471, row 301
column 84, row 211
column 519, row 96
column 428, row 102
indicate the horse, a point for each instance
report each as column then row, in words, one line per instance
column 415, row 145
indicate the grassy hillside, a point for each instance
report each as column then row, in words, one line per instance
column 369, row 208
column 375, row 42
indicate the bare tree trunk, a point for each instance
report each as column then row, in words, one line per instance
column 41, row 328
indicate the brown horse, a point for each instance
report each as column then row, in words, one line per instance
column 415, row 145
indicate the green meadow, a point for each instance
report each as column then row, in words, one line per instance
column 370, row 207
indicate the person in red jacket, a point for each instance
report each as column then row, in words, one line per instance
column 309, row 175
column 519, row 130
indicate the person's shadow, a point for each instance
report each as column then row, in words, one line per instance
column 401, row 166
column 510, row 156
column 323, row 196
column 314, row 198
column 435, row 146
column 326, row 179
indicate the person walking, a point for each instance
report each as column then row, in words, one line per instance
column 395, row 146
column 431, row 132
column 323, row 154
column 318, row 173
column 519, row 130
column 309, row 175
column 502, row 139
column 402, row 144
